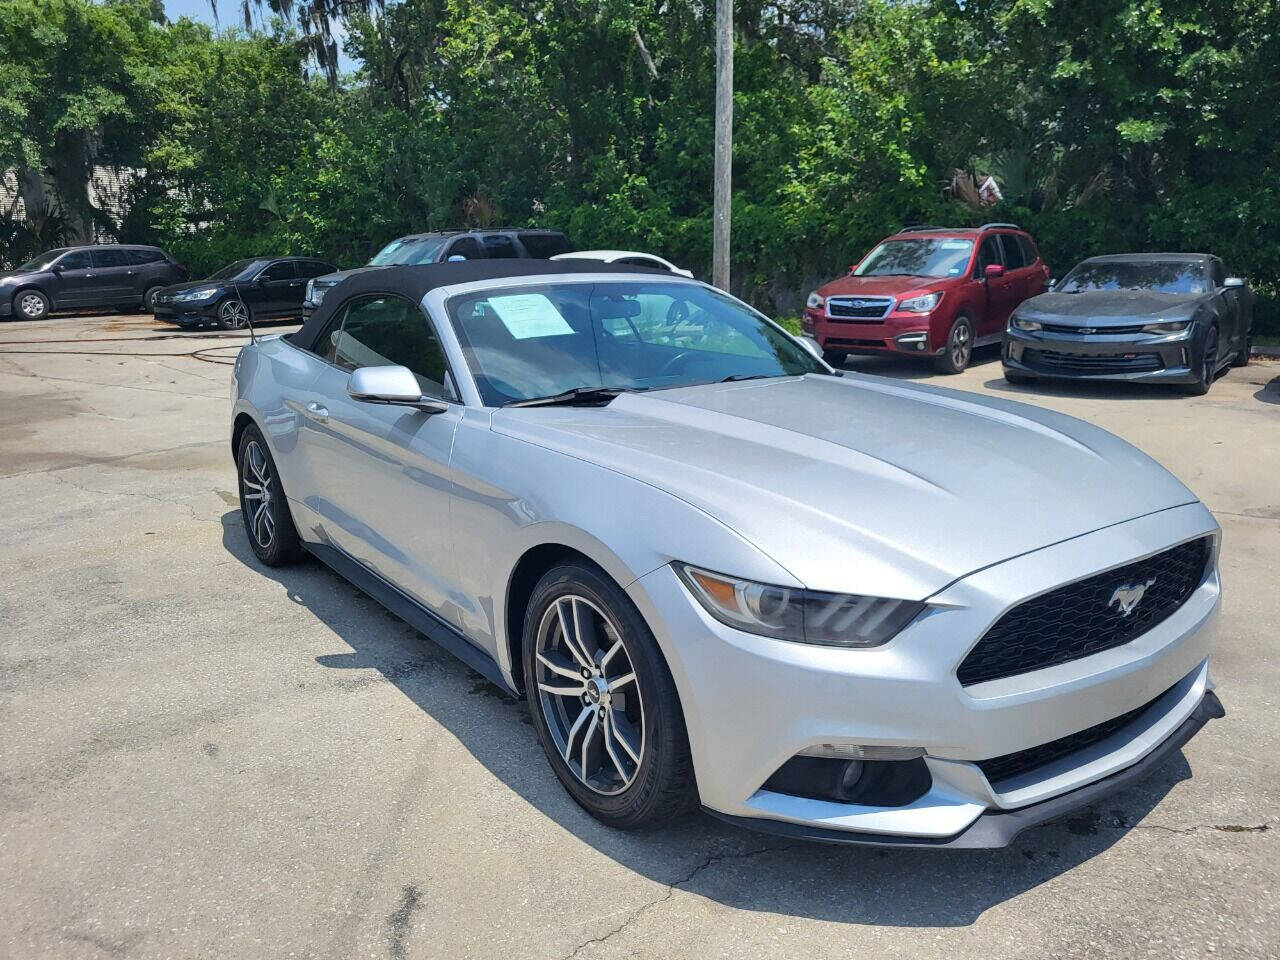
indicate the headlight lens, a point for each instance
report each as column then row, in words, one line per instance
column 317, row 293
column 309, row 296
column 1173, row 326
column 803, row 616
column 921, row 304
column 815, row 302
column 1022, row 323
column 203, row 293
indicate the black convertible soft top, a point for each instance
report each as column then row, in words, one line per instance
column 415, row 282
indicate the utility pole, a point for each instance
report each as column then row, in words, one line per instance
column 722, row 194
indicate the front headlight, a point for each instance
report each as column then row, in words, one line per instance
column 316, row 293
column 1173, row 326
column 203, row 293
column 921, row 304
column 815, row 302
column 311, row 291
column 804, row 616
column 1022, row 323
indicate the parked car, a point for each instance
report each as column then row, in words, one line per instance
column 108, row 276
column 445, row 245
column 260, row 288
column 628, row 499
column 1145, row 317
column 928, row 292
column 628, row 257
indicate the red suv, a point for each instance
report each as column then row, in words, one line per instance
column 930, row 292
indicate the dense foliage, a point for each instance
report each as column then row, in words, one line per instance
column 1109, row 125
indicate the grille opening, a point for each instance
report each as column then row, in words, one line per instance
column 1011, row 765
column 1093, row 362
column 1083, row 617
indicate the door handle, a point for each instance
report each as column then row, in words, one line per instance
column 317, row 413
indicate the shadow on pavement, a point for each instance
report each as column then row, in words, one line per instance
column 1270, row 393
column 744, row 870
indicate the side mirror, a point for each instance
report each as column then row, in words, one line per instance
column 57, row 268
column 393, row 385
column 259, row 281
column 993, row 271
column 1233, row 282
column 455, row 258
column 1051, row 283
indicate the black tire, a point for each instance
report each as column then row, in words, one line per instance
column 30, row 304
column 149, row 298
column 1208, row 363
column 1017, row 379
column 835, row 358
column 276, row 544
column 958, row 351
column 662, row 783
column 233, row 314
column 1241, row 359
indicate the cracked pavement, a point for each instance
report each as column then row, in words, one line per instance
column 204, row 758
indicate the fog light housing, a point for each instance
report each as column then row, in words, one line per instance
column 842, row 779
column 912, row 341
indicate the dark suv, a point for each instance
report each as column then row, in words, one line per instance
column 503, row 243
column 85, row 278
column 933, row 292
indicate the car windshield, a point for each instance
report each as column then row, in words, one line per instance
column 44, row 261
column 408, row 250
column 523, row 343
column 1158, row 276
column 240, row 270
column 917, row 257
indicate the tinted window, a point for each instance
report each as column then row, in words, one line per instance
column 468, row 247
column 79, row 260
column 643, row 262
column 110, row 258
column 1219, row 273
column 314, row 268
column 386, row 331
column 499, row 246
column 528, row 342
column 542, row 246
column 239, row 270
column 1169, row 276
column 282, row 270
column 1013, row 258
column 145, row 256
column 42, row 262
column 1029, row 252
column 917, row 257
column 988, row 253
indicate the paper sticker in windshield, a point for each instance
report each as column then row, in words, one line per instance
column 956, row 244
column 529, row 315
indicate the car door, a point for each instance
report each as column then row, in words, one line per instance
column 381, row 481
column 275, row 290
column 1000, row 292
column 116, row 275
column 76, row 281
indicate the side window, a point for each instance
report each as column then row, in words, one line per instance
column 468, row 247
column 1029, row 252
column 283, row 270
column 314, row 268
column 110, row 258
column 642, row 262
column 381, row 331
column 77, row 260
column 1013, row 258
column 139, row 257
column 499, row 246
column 543, row 246
column 988, row 254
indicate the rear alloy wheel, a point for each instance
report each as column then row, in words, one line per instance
column 263, row 507
column 959, row 349
column 1208, row 365
column 603, row 701
column 31, row 305
column 149, row 299
column 233, row 315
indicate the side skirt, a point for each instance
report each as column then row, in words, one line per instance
column 411, row 612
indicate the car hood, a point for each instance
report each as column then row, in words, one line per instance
column 12, row 275
column 177, row 288
column 1111, row 307
column 333, row 279
column 880, row 286
column 862, row 484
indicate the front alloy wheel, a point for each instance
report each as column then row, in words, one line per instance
column 233, row 315
column 33, row 305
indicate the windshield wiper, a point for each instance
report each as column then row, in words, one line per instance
column 734, row 377
column 570, row 397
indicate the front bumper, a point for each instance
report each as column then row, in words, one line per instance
column 1138, row 358
column 186, row 314
column 901, row 333
column 752, row 703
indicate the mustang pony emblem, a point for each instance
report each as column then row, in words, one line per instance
column 1126, row 597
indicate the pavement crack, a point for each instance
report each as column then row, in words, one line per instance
column 706, row 863
column 1220, row 827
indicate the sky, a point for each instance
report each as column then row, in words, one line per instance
column 230, row 15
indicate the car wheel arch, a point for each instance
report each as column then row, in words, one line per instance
column 33, row 287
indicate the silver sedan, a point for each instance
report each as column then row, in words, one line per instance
column 723, row 574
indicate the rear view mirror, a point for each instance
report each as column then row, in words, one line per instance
column 1233, row 282
column 391, row 384
column 993, row 271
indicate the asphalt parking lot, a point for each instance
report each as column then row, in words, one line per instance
column 203, row 758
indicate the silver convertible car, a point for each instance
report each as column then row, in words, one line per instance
column 834, row 607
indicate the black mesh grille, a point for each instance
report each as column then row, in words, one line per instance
column 1013, row 764
column 1093, row 362
column 1084, row 617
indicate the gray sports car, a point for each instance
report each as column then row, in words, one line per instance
column 832, row 606
column 1148, row 317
